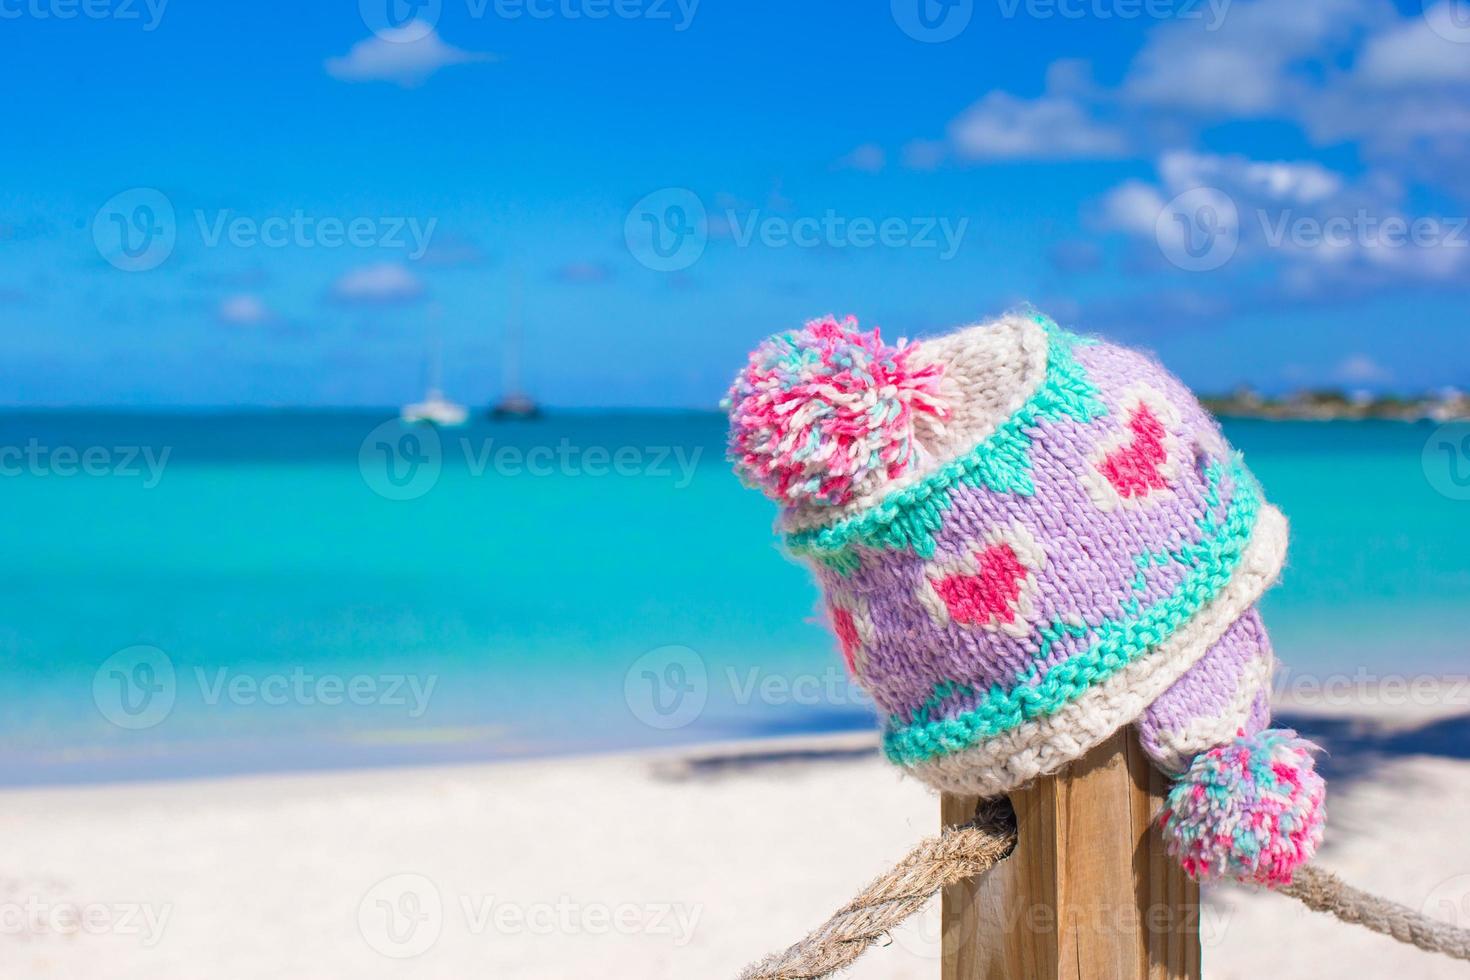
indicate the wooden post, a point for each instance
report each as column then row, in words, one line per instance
column 1089, row 893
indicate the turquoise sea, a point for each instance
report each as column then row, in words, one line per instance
column 214, row 593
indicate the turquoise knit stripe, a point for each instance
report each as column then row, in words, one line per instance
column 1191, row 556
column 910, row 518
column 1119, row 643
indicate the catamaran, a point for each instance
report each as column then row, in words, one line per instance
column 435, row 409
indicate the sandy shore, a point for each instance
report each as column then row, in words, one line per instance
column 611, row 867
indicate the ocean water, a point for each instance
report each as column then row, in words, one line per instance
column 207, row 594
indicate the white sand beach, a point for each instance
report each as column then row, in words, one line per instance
column 637, row 866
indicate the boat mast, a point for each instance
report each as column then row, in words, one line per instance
column 434, row 355
column 510, row 364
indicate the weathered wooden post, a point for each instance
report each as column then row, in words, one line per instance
column 1089, row 891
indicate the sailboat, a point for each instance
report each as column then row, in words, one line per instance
column 434, row 409
column 514, row 404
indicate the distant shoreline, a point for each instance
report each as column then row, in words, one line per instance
column 1334, row 406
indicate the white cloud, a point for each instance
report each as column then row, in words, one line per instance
column 1247, row 66
column 1051, row 127
column 1133, row 206
column 404, row 55
column 924, row 154
column 1067, row 121
column 583, row 273
column 1296, row 182
column 1419, row 49
column 868, row 158
column 1226, row 81
column 1361, row 369
column 244, row 310
column 378, row 284
column 1346, row 71
column 1321, row 236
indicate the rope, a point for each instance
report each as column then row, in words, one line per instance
column 973, row 849
column 1323, row 891
column 958, row 853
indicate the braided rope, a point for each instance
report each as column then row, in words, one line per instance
column 1323, row 891
column 974, row 848
column 958, row 853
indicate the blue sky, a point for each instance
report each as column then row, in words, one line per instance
column 1263, row 191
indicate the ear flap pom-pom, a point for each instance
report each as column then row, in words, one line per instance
column 1251, row 810
column 826, row 413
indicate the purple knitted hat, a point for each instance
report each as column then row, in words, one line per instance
column 1026, row 540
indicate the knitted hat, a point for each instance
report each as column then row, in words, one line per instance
column 1026, row 540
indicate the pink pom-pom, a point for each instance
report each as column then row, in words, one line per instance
column 826, row 413
column 1251, row 810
